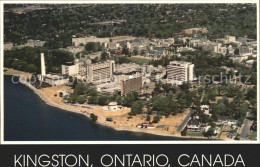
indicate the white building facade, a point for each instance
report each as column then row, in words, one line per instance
column 180, row 71
column 70, row 69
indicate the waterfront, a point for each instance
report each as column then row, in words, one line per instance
column 28, row 118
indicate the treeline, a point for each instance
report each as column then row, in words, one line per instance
column 85, row 93
column 57, row 25
column 28, row 59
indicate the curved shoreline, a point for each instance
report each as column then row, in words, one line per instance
column 49, row 102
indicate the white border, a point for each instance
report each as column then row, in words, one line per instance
column 122, row 2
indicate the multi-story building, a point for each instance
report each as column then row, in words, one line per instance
column 113, row 45
column 227, row 39
column 30, row 43
column 70, row 69
column 126, row 68
column 180, row 71
column 129, row 85
column 211, row 46
column 230, row 38
column 195, row 30
column 100, row 71
column 85, row 40
column 194, row 125
column 75, row 49
column 36, row 43
column 245, row 50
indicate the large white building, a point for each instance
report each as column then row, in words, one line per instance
column 100, row 71
column 55, row 80
column 180, row 71
column 70, row 69
column 85, row 40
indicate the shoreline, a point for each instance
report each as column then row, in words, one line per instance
column 49, row 102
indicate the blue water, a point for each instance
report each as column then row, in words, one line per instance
column 28, row 118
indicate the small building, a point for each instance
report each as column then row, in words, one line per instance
column 75, row 49
column 232, row 122
column 194, row 125
column 55, row 80
column 204, row 128
column 232, row 135
column 195, row 30
column 205, row 110
column 222, row 120
column 240, row 58
column 112, row 106
column 37, row 43
column 249, row 63
column 150, row 126
column 217, row 130
column 146, row 125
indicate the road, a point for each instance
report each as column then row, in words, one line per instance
column 246, row 127
column 185, row 121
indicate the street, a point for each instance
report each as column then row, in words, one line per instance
column 185, row 121
column 246, row 127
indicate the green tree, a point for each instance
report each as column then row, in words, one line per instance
column 93, row 117
column 135, row 52
column 137, row 107
column 156, row 119
column 80, row 89
column 92, row 100
column 221, row 89
column 212, row 94
column 184, row 132
column 130, row 98
column 104, row 55
column 125, row 50
column 251, row 93
column 8, row 61
column 103, row 100
column 31, row 68
column 185, row 86
column 205, row 99
column 158, row 85
column 21, row 65
column 72, row 98
column 92, row 47
column 167, row 87
column 148, row 118
column 209, row 133
column 236, row 52
column 81, row 99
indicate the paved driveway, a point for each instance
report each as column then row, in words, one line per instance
column 246, row 127
column 185, row 121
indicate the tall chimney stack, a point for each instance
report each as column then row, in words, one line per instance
column 43, row 72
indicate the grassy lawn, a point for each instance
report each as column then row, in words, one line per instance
column 139, row 61
column 198, row 134
column 253, row 135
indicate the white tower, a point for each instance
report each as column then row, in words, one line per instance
column 43, row 72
